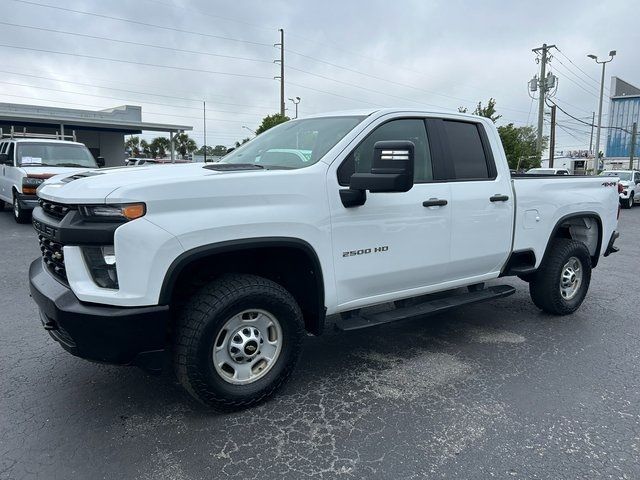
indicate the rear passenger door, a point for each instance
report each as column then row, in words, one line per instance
column 482, row 206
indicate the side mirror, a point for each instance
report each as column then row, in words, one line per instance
column 391, row 171
column 5, row 160
column 100, row 161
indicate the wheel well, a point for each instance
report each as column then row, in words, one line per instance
column 585, row 228
column 293, row 267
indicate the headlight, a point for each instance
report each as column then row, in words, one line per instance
column 102, row 265
column 128, row 211
column 30, row 184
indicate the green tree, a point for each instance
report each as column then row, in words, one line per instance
column 488, row 111
column 271, row 121
column 133, row 145
column 520, row 146
column 160, row 147
column 244, row 140
column 145, row 148
column 220, row 151
column 185, row 144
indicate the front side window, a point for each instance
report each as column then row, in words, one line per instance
column 411, row 129
column 54, row 155
column 468, row 157
column 293, row 144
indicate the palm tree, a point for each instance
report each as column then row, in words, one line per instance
column 133, row 144
column 160, row 146
column 184, row 144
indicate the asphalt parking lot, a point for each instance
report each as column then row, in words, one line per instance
column 496, row 390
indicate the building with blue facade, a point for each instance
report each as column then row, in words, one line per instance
column 624, row 110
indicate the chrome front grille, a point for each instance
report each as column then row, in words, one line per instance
column 53, row 257
column 56, row 210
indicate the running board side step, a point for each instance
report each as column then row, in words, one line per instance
column 429, row 307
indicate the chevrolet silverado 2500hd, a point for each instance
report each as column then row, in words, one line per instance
column 228, row 265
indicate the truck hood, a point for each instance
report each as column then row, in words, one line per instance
column 94, row 186
column 47, row 172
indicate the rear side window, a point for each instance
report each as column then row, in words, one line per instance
column 467, row 154
column 10, row 151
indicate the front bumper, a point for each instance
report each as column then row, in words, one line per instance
column 116, row 335
column 27, row 202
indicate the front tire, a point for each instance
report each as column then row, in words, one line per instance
column 238, row 341
column 20, row 215
column 561, row 283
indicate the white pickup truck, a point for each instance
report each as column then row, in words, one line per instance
column 26, row 160
column 228, row 265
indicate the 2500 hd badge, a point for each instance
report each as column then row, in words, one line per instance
column 364, row 251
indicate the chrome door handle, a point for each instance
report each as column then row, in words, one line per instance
column 434, row 202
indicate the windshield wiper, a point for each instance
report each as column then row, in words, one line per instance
column 224, row 167
column 71, row 165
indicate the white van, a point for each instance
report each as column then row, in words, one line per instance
column 27, row 160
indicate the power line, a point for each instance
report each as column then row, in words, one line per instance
column 114, row 98
column 378, row 92
column 333, row 94
column 585, row 73
column 144, row 24
column 586, row 123
column 590, row 92
column 173, row 67
column 127, row 42
column 127, row 91
column 584, row 83
column 392, row 82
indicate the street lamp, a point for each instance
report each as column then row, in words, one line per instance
column 295, row 101
column 247, row 128
column 612, row 54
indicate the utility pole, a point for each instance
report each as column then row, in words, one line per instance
column 281, row 77
column 552, row 140
column 612, row 54
column 593, row 122
column 204, row 118
column 632, row 148
column 544, row 49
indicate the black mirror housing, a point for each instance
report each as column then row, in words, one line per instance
column 100, row 161
column 4, row 160
column 391, row 168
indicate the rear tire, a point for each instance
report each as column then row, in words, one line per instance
column 20, row 215
column 631, row 201
column 238, row 341
column 561, row 283
column 2, row 204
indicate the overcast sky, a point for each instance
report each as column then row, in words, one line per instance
column 340, row 55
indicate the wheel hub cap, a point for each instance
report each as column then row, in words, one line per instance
column 247, row 346
column 571, row 278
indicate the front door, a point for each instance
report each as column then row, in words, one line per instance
column 392, row 243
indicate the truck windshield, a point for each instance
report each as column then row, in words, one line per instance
column 624, row 176
column 54, row 155
column 294, row 144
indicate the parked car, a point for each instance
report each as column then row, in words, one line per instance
column 229, row 265
column 26, row 162
column 630, row 182
column 547, row 171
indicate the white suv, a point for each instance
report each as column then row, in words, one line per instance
column 27, row 162
column 630, row 182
